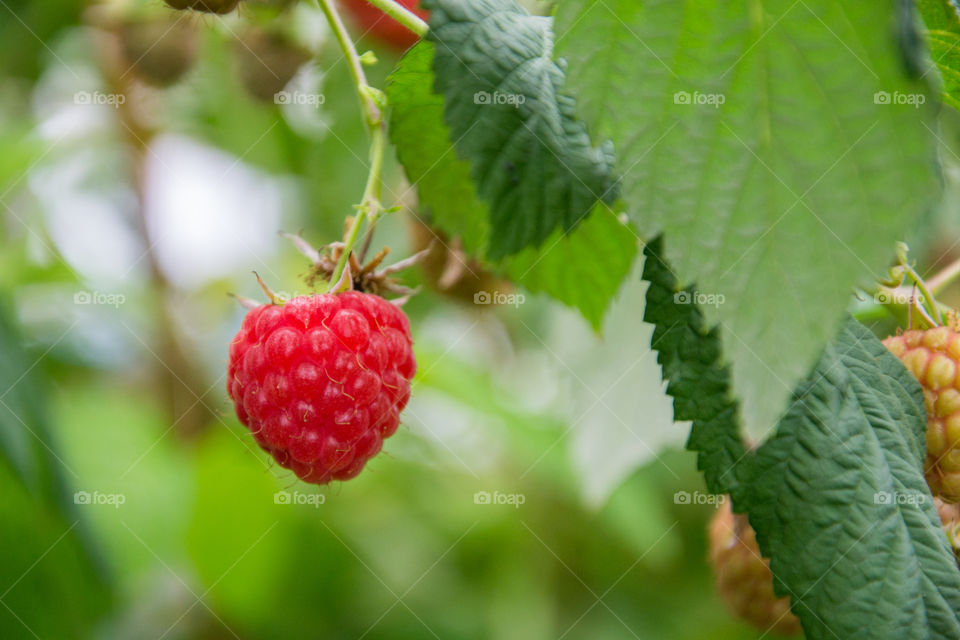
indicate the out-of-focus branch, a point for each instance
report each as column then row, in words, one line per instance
column 177, row 375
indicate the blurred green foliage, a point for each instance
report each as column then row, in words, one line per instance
column 200, row 548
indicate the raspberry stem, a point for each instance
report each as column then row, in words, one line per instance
column 895, row 288
column 928, row 298
column 402, row 15
column 369, row 208
column 371, row 101
column 371, row 111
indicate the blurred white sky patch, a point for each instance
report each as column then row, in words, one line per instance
column 63, row 98
column 303, row 106
column 607, row 389
column 209, row 212
column 84, row 217
column 462, row 436
column 476, row 337
column 620, row 414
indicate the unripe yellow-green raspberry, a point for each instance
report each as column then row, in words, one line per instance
column 743, row 576
column 932, row 356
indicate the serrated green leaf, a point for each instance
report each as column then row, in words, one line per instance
column 582, row 268
column 691, row 357
column 532, row 160
column 753, row 136
column 424, row 148
column 840, row 505
column 942, row 18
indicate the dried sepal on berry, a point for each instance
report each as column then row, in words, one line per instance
column 361, row 277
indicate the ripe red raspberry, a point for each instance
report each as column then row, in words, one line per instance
column 320, row 380
column 743, row 576
column 932, row 356
column 377, row 23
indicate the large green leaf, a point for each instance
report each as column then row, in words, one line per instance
column 425, row 150
column 582, row 268
column 754, row 135
column 691, row 356
column 942, row 18
column 839, row 502
column 532, row 161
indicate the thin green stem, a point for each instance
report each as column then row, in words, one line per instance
column 370, row 208
column 928, row 299
column 371, row 111
column 402, row 15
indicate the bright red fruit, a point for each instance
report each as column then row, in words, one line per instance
column 375, row 22
column 320, row 380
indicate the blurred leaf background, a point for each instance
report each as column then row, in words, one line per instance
column 117, row 256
